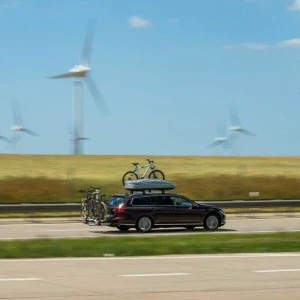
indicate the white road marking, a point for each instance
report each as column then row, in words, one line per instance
column 162, row 257
column 19, row 279
column 41, row 224
column 277, row 271
column 155, row 275
column 257, row 218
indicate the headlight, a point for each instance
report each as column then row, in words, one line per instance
column 221, row 211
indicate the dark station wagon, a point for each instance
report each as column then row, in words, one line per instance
column 145, row 211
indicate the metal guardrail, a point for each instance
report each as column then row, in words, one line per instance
column 65, row 207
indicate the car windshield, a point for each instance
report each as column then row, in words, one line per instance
column 116, row 201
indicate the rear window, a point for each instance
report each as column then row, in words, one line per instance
column 116, row 201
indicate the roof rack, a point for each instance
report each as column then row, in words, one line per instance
column 143, row 185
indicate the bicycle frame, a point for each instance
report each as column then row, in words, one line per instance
column 148, row 166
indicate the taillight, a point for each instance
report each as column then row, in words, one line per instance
column 120, row 209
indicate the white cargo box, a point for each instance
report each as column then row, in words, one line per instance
column 148, row 184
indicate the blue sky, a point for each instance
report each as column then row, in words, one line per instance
column 167, row 70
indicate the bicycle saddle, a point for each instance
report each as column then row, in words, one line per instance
column 135, row 164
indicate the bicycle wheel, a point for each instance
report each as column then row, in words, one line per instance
column 157, row 174
column 85, row 211
column 101, row 211
column 130, row 175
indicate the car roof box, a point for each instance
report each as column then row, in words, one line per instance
column 148, row 184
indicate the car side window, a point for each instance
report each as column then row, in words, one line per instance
column 164, row 201
column 152, row 200
column 140, row 201
column 178, row 201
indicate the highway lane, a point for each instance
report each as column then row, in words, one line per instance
column 214, row 277
column 61, row 230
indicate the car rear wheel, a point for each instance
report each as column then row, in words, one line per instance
column 123, row 228
column 211, row 222
column 144, row 224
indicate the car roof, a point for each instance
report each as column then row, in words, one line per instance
column 140, row 193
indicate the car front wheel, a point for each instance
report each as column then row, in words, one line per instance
column 144, row 224
column 211, row 222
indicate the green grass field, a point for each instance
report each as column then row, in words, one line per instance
column 56, row 178
column 143, row 245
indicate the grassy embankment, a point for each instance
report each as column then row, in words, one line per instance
column 56, row 178
column 133, row 246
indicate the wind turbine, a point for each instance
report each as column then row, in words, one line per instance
column 236, row 125
column 18, row 127
column 222, row 139
column 79, row 73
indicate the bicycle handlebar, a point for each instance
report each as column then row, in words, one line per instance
column 82, row 191
column 150, row 161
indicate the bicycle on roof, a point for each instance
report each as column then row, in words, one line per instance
column 133, row 175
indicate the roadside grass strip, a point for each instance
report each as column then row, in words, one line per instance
column 143, row 245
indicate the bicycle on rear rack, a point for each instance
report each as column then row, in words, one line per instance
column 100, row 204
column 93, row 209
column 154, row 174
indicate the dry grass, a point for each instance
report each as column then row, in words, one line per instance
column 52, row 178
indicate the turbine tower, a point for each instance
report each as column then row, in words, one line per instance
column 79, row 73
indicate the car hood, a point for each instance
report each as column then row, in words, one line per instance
column 206, row 206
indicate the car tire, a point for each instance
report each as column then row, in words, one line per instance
column 144, row 224
column 123, row 228
column 190, row 227
column 211, row 222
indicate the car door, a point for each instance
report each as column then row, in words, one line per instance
column 185, row 211
column 162, row 209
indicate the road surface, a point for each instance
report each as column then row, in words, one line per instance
column 61, row 230
column 214, row 277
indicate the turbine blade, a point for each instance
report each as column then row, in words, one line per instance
column 233, row 113
column 214, row 144
column 30, row 132
column 65, row 75
column 247, row 132
column 5, row 139
column 97, row 96
column 221, row 129
column 70, row 131
column 16, row 113
column 86, row 52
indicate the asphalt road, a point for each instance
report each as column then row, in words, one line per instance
column 61, row 230
column 214, row 277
